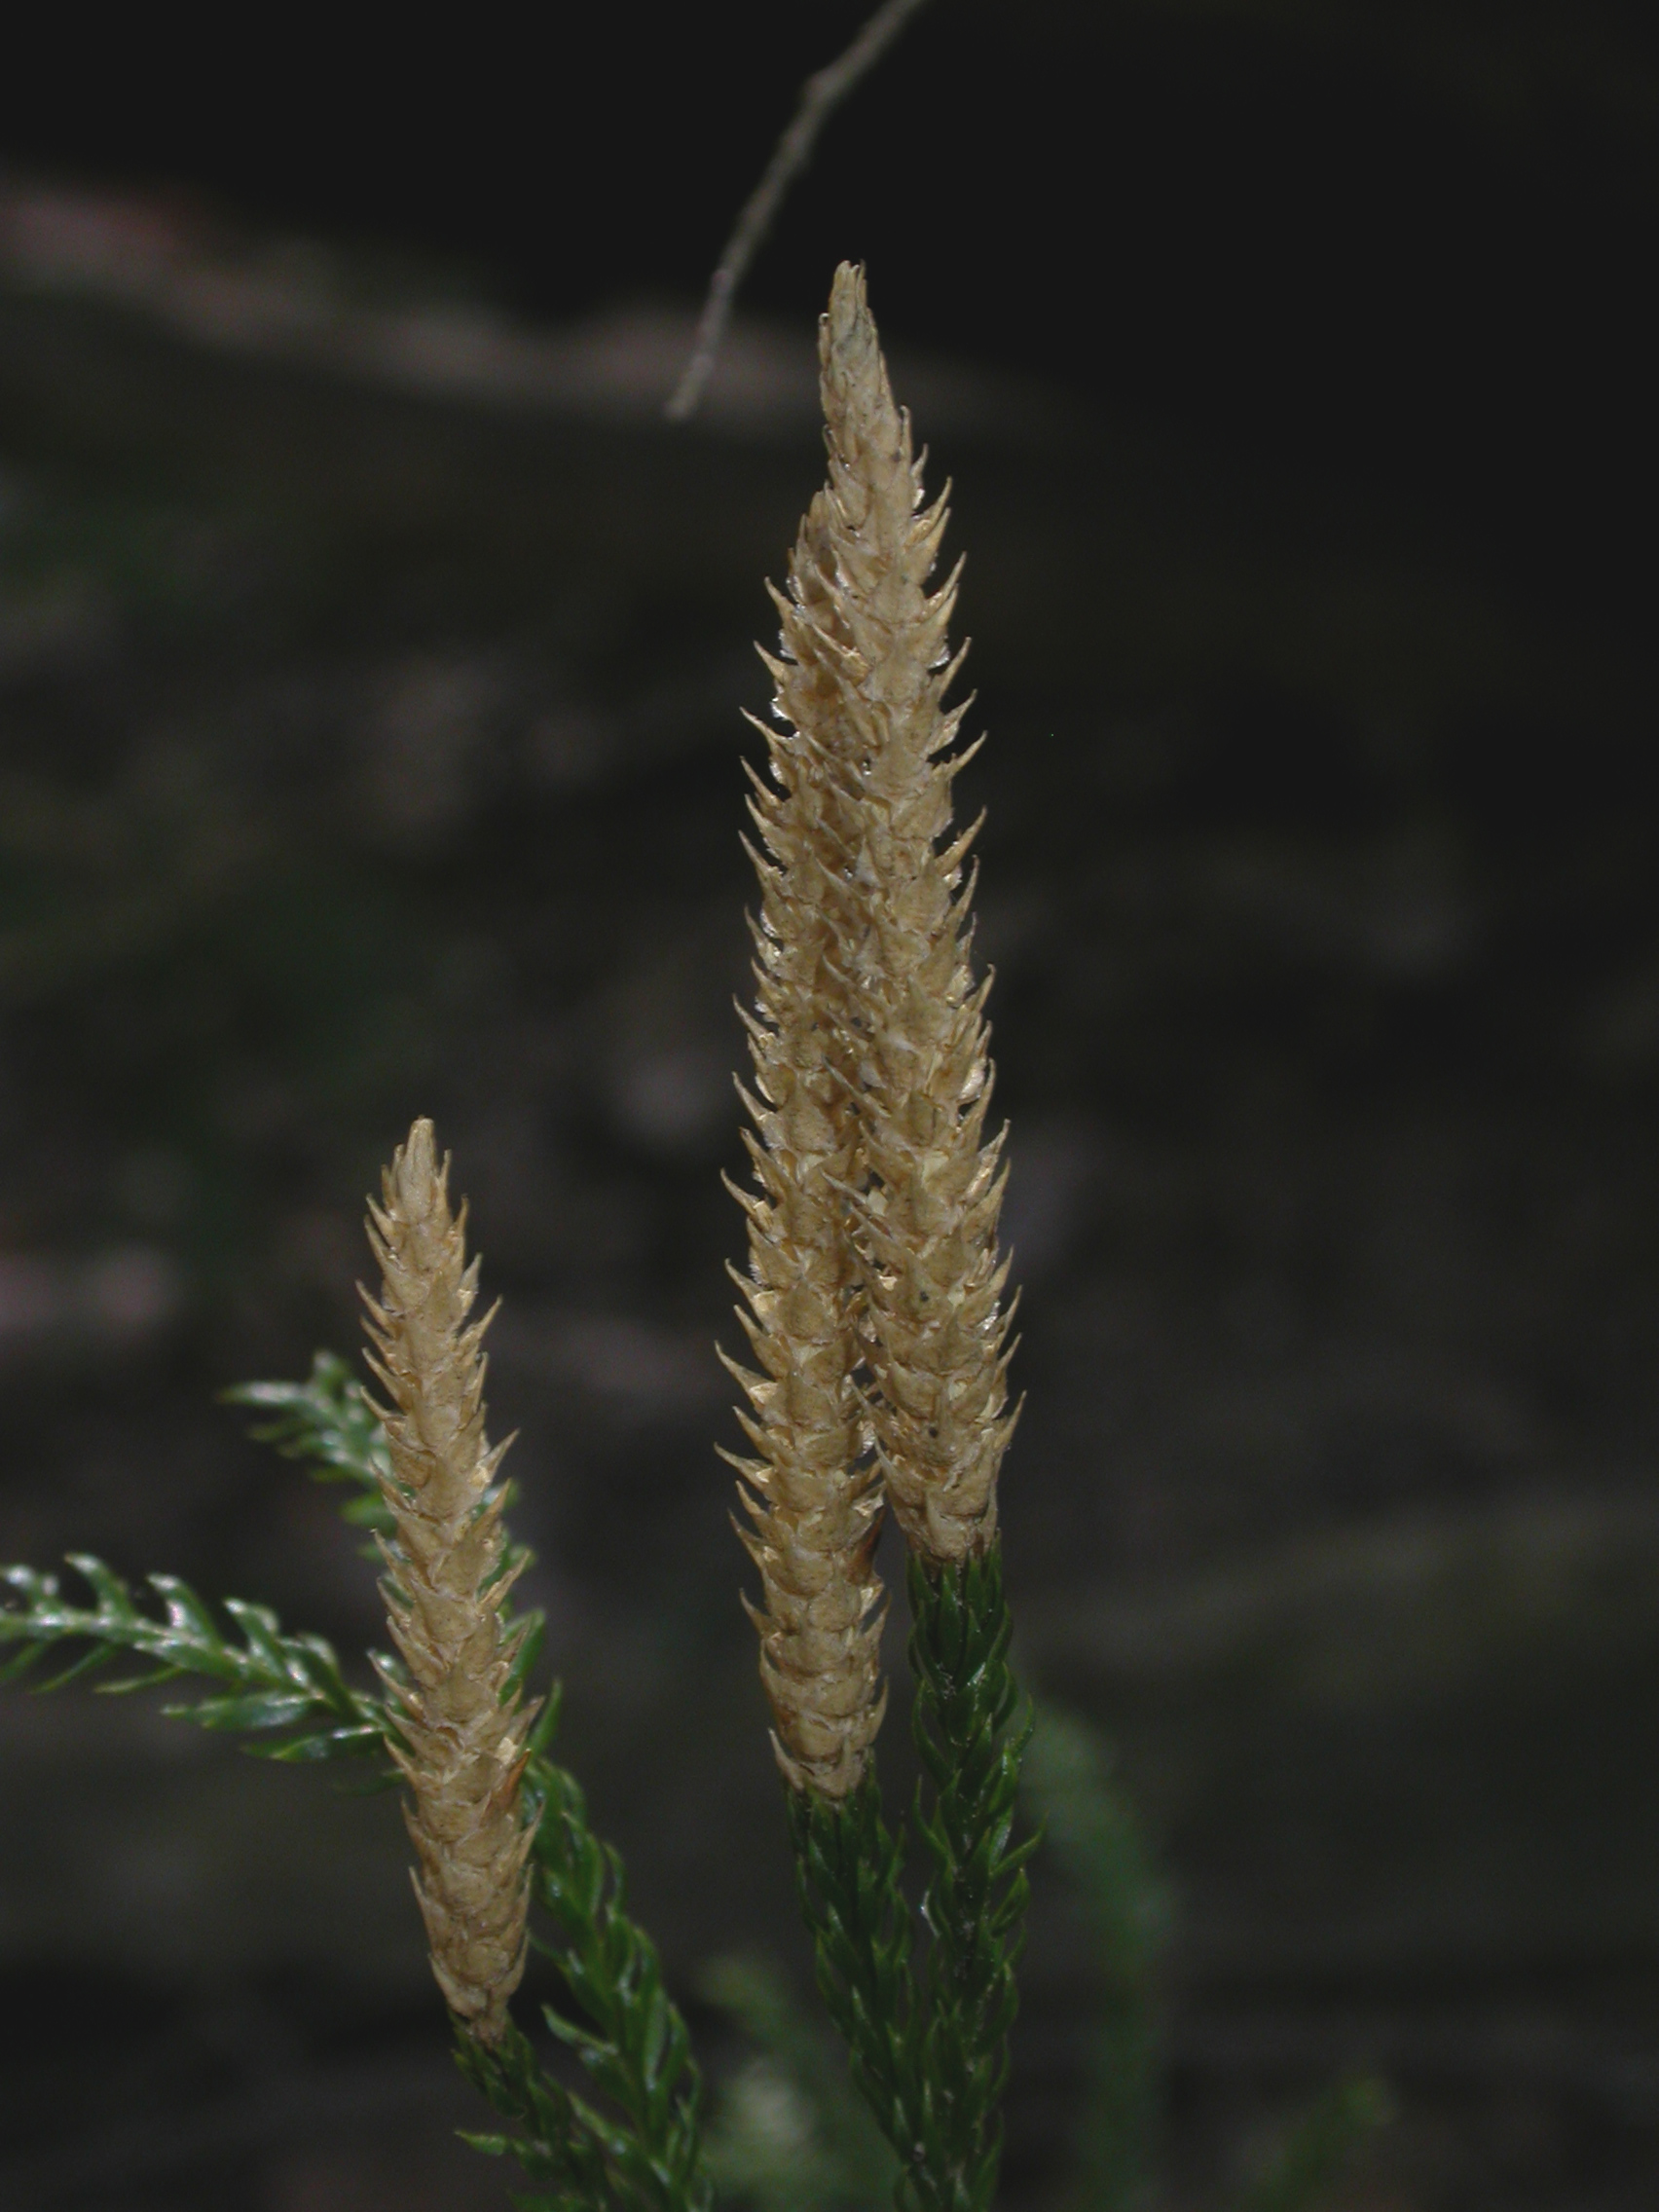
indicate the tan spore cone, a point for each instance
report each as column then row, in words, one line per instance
column 935, row 1330
column 445, row 1590
column 810, row 1488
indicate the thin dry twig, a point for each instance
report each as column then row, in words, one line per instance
column 820, row 95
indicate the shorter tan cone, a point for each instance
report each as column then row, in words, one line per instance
column 444, row 1592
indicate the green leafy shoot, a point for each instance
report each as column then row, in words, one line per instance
column 970, row 1727
column 287, row 1690
column 789, row 2133
column 641, row 2149
column 328, row 1424
column 562, row 2143
column 647, row 2154
column 1094, row 1836
column 635, row 2047
column 1328, row 2136
column 849, row 1875
column 629, row 2038
column 930, row 2052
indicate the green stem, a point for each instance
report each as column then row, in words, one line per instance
column 562, row 2143
column 635, row 2048
column 932, row 2064
column 848, row 1865
column 971, row 1732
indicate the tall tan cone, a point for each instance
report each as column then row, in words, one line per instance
column 810, row 1488
column 926, row 1221
column 444, row 1593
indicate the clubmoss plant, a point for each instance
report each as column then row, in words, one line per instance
column 874, row 1300
column 507, row 1853
column 874, row 1314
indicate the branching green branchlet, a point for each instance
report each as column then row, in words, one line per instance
column 874, row 1309
column 636, row 2049
column 932, row 2060
column 561, row 2143
column 286, row 1691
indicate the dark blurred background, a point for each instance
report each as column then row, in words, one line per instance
column 371, row 655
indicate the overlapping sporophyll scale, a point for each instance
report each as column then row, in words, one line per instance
column 873, row 1293
column 445, row 1591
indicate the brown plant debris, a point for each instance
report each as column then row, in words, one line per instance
column 445, row 1589
column 820, row 96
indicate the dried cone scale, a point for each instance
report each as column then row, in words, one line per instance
column 445, row 1591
